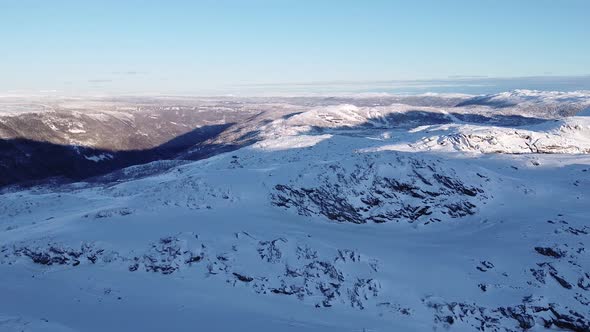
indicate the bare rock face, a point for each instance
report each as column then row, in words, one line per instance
column 409, row 189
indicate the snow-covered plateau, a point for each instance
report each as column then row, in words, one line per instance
column 373, row 213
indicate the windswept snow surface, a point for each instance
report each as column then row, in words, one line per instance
column 339, row 218
column 570, row 135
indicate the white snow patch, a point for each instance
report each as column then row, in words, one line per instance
column 76, row 131
column 100, row 157
column 290, row 142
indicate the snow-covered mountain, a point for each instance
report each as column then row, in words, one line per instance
column 555, row 102
column 321, row 217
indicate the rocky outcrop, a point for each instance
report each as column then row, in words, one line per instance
column 409, row 190
column 278, row 266
column 533, row 312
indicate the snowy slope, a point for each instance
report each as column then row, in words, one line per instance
column 340, row 218
column 570, row 135
column 556, row 102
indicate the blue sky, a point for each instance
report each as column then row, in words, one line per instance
column 189, row 46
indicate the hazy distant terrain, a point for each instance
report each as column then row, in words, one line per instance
column 73, row 138
column 370, row 212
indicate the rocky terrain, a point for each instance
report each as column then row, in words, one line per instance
column 359, row 213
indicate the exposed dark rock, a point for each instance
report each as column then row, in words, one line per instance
column 53, row 254
column 485, row 265
column 519, row 317
column 584, row 282
column 540, row 275
column 548, row 251
column 242, row 277
column 360, row 195
column 455, row 185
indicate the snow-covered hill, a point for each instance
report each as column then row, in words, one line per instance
column 555, row 102
column 336, row 218
column 570, row 135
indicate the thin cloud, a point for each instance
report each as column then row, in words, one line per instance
column 467, row 76
column 129, row 73
column 100, row 81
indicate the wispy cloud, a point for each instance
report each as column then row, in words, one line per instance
column 129, row 73
column 100, row 81
column 467, row 76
